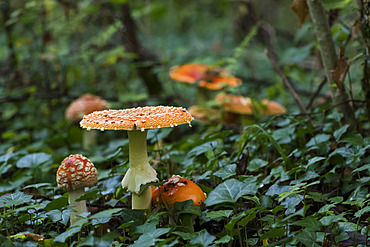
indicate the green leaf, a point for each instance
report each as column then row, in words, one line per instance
column 6, row 157
column 230, row 226
column 314, row 160
column 67, row 234
column 316, row 140
column 230, row 191
column 274, row 233
column 349, row 226
column 205, row 147
column 307, row 238
column 14, row 199
column 362, row 168
column 339, row 132
column 328, row 220
column 147, row 227
column 186, row 207
column 360, row 212
column 104, row 216
column 353, row 139
column 291, row 202
column 226, row 172
column 138, row 217
column 219, row 214
column 204, row 239
column 310, row 224
column 150, row 238
column 224, row 240
column 58, row 203
column 256, row 164
column 54, row 215
column 36, row 186
column 278, row 190
column 33, row 160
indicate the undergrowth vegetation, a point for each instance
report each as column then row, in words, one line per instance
column 298, row 179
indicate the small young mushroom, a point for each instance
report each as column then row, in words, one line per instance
column 177, row 189
column 137, row 121
column 236, row 105
column 86, row 104
column 74, row 174
column 206, row 77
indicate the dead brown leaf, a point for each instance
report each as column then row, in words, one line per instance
column 339, row 73
column 300, row 8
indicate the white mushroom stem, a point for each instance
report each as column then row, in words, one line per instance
column 88, row 139
column 77, row 207
column 140, row 172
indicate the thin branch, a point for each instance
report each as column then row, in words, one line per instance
column 287, row 83
column 317, row 92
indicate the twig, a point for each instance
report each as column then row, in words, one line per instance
column 288, row 84
column 317, row 92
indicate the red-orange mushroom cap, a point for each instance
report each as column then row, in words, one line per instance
column 140, row 118
column 75, row 172
column 244, row 105
column 85, row 104
column 213, row 78
column 177, row 189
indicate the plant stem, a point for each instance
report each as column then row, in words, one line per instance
column 140, row 172
column 77, row 207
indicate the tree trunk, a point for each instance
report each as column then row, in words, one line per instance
column 144, row 59
column 364, row 10
column 329, row 59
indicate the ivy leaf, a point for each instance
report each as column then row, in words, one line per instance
column 226, row 172
column 307, row 238
column 58, row 203
column 360, row 212
column 328, row 220
column 256, row 164
column 230, row 191
column 274, row 233
column 104, row 216
column 300, row 8
column 204, row 239
column 205, row 147
column 15, row 199
column 150, row 238
column 33, row 160
column 277, row 190
column 317, row 140
column 67, row 234
column 214, row 215
column 311, row 224
column 339, row 132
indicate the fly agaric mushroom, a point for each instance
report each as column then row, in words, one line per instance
column 74, row 174
column 177, row 189
column 204, row 114
column 86, row 104
column 236, row 105
column 206, row 77
column 137, row 121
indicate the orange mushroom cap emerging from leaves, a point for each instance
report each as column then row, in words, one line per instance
column 177, row 189
column 85, row 104
column 244, row 105
column 213, row 78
